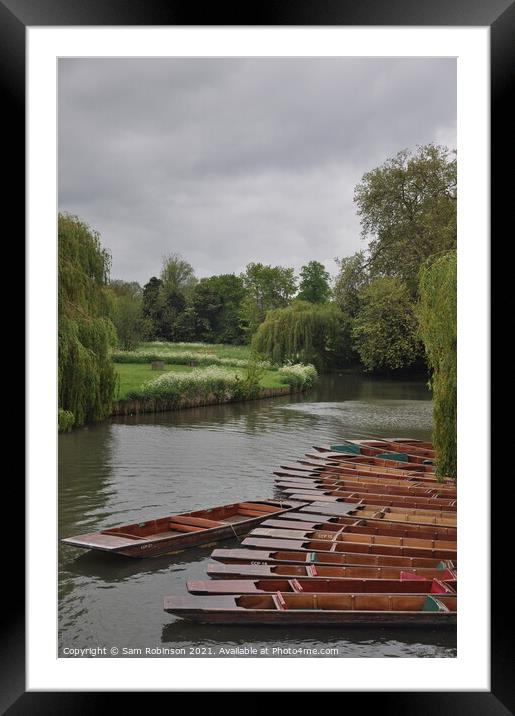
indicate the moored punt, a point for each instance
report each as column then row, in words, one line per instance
column 344, row 483
column 320, row 585
column 174, row 533
column 368, row 464
column 290, row 555
column 387, row 451
column 374, row 461
column 313, row 495
column 312, row 470
column 274, row 570
column 316, row 609
column 332, row 507
column 412, row 449
column 335, row 547
column 366, row 469
column 298, row 521
column 356, row 536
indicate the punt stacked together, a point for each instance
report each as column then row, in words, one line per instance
column 369, row 537
column 361, row 532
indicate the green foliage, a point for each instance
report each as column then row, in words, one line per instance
column 152, row 307
column 314, row 283
column 408, row 209
column 86, row 334
column 177, row 276
column 298, row 375
column 217, row 302
column 172, row 357
column 65, row 420
column 352, row 277
column 306, row 332
column 250, row 385
column 385, row 327
column 126, row 313
column 267, row 288
column 438, row 328
column 200, row 384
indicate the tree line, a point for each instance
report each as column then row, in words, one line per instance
column 391, row 306
column 366, row 316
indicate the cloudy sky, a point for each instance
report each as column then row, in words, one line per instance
column 228, row 161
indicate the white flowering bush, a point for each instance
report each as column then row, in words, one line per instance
column 172, row 357
column 298, row 375
column 199, row 383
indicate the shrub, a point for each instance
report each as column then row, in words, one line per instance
column 65, row 420
column 298, row 375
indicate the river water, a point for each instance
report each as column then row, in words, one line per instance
column 135, row 468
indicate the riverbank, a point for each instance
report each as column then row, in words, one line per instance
column 156, row 405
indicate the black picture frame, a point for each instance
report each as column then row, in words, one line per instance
column 499, row 15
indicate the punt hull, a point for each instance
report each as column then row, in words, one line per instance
column 298, row 521
column 218, row 571
column 336, row 548
column 288, row 555
column 259, row 609
column 318, row 585
column 111, row 542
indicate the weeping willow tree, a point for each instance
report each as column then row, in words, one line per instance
column 304, row 332
column 437, row 316
column 86, row 335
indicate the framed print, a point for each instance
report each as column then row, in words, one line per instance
column 212, row 144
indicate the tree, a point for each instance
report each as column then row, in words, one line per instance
column 305, row 332
column 177, row 284
column 408, row 210
column 352, row 277
column 152, row 308
column 314, row 283
column 385, row 327
column 86, row 335
column 437, row 315
column 177, row 276
column 127, row 313
column 217, row 301
column 266, row 288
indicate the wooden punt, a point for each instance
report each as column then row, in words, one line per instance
column 174, row 533
column 376, row 486
column 366, row 469
column 342, row 536
column 330, row 506
column 312, row 470
column 290, row 555
column 317, row 609
column 412, row 441
column 299, row 521
column 411, row 448
column 271, row 569
column 312, row 495
column 327, row 547
column 320, row 586
column 374, row 461
column 377, row 450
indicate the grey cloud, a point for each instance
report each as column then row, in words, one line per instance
column 237, row 160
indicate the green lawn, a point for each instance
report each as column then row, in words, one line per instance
column 132, row 375
column 221, row 350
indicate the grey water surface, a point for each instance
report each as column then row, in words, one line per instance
column 131, row 469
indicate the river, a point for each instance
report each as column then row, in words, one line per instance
column 135, row 468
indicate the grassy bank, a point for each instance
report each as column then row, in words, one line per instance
column 132, row 376
column 196, row 370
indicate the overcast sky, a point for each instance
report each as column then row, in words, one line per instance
column 228, row 161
